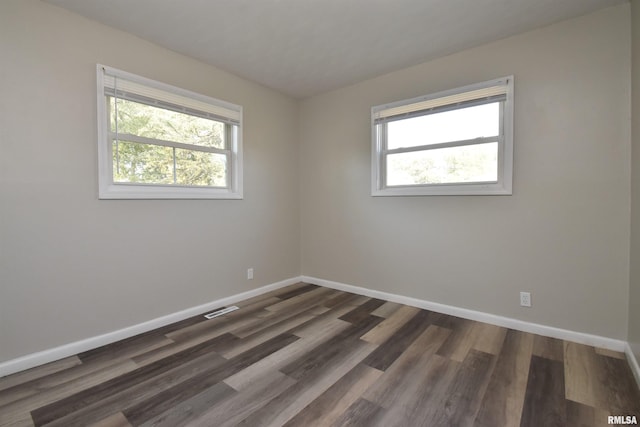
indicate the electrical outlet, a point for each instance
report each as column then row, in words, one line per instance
column 250, row 273
column 525, row 299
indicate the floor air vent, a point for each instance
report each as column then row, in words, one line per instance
column 221, row 312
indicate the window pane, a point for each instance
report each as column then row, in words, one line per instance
column 470, row 163
column 142, row 163
column 455, row 125
column 200, row 169
column 153, row 122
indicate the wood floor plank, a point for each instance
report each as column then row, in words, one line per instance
column 580, row 415
column 184, row 413
column 462, row 399
column 335, row 346
column 504, row 399
column 310, row 384
column 331, row 404
column 308, row 298
column 582, row 375
column 256, row 307
column 447, row 321
column 103, row 390
column 264, row 335
column 301, row 288
column 298, row 350
column 171, row 349
column 222, row 339
column 342, row 298
column 387, row 309
column 317, row 310
column 38, row 372
column 56, row 392
column 272, row 318
column 429, row 398
column 388, row 327
column 399, row 378
column 74, row 412
column 467, row 335
column 127, row 348
column 423, row 395
column 545, row 403
column 362, row 311
column 488, row 338
column 16, row 420
column 115, row 420
column 621, row 392
column 164, row 330
column 547, row 347
column 331, row 316
column 358, row 300
column 601, row 417
column 611, row 353
column 391, row 349
column 460, row 340
column 235, row 409
column 362, row 413
column 162, row 401
column 74, row 377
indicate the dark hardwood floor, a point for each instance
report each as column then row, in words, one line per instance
column 306, row 355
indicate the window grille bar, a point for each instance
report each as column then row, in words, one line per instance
column 175, row 180
column 160, row 142
column 463, row 143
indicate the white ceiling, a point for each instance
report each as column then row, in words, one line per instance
column 305, row 47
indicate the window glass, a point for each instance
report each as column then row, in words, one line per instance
column 142, row 163
column 454, row 125
column 199, row 168
column 470, row 163
column 159, row 123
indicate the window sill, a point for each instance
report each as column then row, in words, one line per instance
column 127, row 191
column 444, row 190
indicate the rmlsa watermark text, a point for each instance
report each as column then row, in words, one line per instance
column 622, row 419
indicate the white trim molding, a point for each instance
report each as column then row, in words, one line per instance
column 40, row 358
column 633, row 363
column 507, row 322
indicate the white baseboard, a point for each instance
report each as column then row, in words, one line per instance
column 507, row 322
column 633, row 363
column 46, row 356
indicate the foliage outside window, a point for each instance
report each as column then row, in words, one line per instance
column 454, row 142
column 158, row 141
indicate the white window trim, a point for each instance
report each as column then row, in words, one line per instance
column 505, row 151
column 107, row 189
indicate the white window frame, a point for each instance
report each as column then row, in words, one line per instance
column 447, row 99
column 108, row 189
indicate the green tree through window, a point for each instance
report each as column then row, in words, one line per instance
column 136, row 160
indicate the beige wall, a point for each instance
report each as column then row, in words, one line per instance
column 563, row 235
column 634, row 291
column 72, row 266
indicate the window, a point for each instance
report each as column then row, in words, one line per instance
column 454, row 142
column 157, row 141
